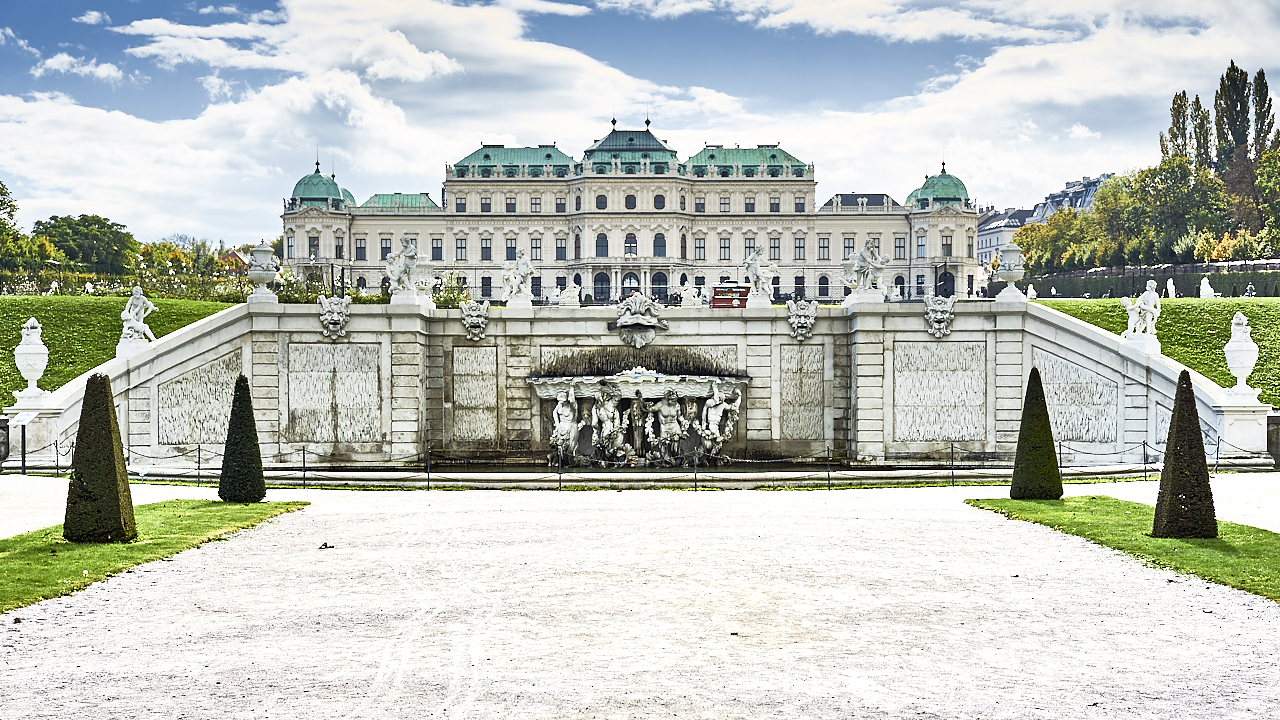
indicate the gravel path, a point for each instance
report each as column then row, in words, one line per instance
column 899, row 603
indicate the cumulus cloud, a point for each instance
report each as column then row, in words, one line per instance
column 92, row 17
column 388, row 55
column 217, row 88
column 224, row 10
column 64, row 63
column 1082, row 132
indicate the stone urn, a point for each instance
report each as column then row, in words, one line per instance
column 32, row 357
column 1241, row 352
column 1011, row 270
column 263, row 269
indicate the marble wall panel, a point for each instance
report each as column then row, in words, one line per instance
column 1083, row 405
column 802, row 392
column 335, row 393
column 939, row 391
column 195, row 406
column 475, row 393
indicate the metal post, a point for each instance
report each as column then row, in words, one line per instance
column 953, row 464
column 1144, row 460
column 57, row 460
column 696, row 452
column 197, row 465
column 1217, row 453
column 828, row 467
column 559, row 469
column 24, row 449
column 1059, row 453
column 304, row 467
column 428, row 467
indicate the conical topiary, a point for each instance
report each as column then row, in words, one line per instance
column 1035, row 466
column 241, row 479
column 1184, row 507
column 99, row 505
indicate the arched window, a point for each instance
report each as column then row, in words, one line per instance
column 684, row 278
column 659, row 245
column 659, row 202
column 602, row 245
column 602, row 202
column 630, row 201
column 602, row 287
column 577, row 203
column 684, row 248
column 361, row 283
column 682, row 205
column 485, row 172
column 899, row 286
column 660, row 286
column 630, row 284
column 824, row 287
column 630, row 248
column 577, row 246
column 577, row 279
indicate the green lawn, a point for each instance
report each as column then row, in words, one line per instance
column 1193, row 331
column 80, row 332
column 1241, row 557
column 39, row 565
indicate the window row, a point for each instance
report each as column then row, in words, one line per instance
column 630, row 202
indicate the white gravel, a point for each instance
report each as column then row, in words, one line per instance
column 899, row 603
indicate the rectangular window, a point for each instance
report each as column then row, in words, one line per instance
column 970, row 254
column 511, row 204
column 629, row 245
column 920, row 246
column 437, row 249
column 799, row 248
column 460, row 249
column 748, row 244
column 337, row 248
column 724, row 204
column 313, row 247
column 486, row 249
column 699, row 248
column 775, row 204
column 849, row 248
column 899, row 248
column 725, row 252
column 559, row 205
column 919, row 285
column 798, row 288
column 535, row 249
column 535, row 205
column 699, row 204
column 775, row 248
column 561, row 250
column 824, row 248
column 360, row 248
column 485, row 205
column 799, row 204
column 289, row 248
column 386, row 248
column 602, row 245
column 535, row 285
column 562, row 282
column 749, row 204
column 511, row 248
column 946, row 245
column 486, row 286
column 460, row 204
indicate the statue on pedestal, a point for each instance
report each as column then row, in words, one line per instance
column 759, row 274
column 867, row 267
column 400, row 267
column 516, row 277
column 713, row 428
column 566, row 426
column 135, row 312
column 673, row 426
column 606, row 426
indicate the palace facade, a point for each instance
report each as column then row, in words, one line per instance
column 630, row 215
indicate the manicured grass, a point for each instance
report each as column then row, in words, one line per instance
column 1243, row 557
column 1193, row 332
column 39, row 565
column 81, row 332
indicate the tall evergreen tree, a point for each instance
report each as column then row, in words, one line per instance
column 1202, row 137
column 1177, row 143
column 1035, row 465
column 1231, row 114
column 1184, row 506
column 1264, row 120
column 242, row 479
column 99, row 505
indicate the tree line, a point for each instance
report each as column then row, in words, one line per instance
column 1215, row 195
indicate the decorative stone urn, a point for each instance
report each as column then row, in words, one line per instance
column 1011, row 270
column 32, row 357
column 1242, row 354
column 263, row 268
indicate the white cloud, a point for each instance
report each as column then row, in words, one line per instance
column 388, row 55
column 223, row 10
column 1082, row 132
column 64, row 63
column 93, row 17
column 8, row 36
column 545, row 7
column 217, row 88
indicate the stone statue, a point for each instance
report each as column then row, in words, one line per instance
column 400, row 267
column 31, row 357
column 639, row 413
column 135, row 312
column 606, row 425
column 1170, row 290
column 759, row 275
column 1031, row 292
column 1242, row 354
column 868, row 265
column 638, row 322
column 712, row 429
column 334, row 315
column 566, row 425
column 690, row 295
column 1206, row 290
column 938, row 314
column 1149, row 308
column 475, row 318
column 673, row 426
column 571, row 296
column 1134, row 310
column 516, row 277
column 802, row 314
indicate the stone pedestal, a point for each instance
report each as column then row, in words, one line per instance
column 1143, row 343
column 405, row 297
column 520, row 302
column 863, row 295
column 758, row 300
column 262, row 295
column 129, row 348
column 1010, row 293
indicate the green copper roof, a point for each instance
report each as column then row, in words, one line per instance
column 317, row 186
column 416, row 201
column 490, row 155
column 940, row 188
column 770, row 156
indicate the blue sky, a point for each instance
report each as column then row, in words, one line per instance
column 198, row 118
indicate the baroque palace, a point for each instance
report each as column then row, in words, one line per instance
column 630, row 215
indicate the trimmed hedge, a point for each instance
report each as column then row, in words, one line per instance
column 1184, row 506
column 1035, row 465
column 242, row 480
column 99, row 505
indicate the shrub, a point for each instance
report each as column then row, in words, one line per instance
column 1035, row 466
column 1184, row 507
column 242, row 479
column 99, row 505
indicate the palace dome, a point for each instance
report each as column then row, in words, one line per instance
column 317, row 186
column 941, row 188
